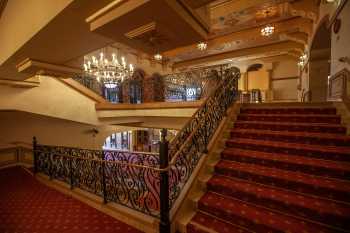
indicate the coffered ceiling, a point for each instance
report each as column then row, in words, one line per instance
column 236, row 25
column 231, row 29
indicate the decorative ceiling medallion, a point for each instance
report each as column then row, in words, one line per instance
column 268, row 30
column 202, row 46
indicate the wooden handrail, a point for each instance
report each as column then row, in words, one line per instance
column 153, row 105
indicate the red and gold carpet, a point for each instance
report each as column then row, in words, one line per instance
column 283, row 170
column 28, row 206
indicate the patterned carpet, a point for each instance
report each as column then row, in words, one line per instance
column 27, row 206
column 283, row 170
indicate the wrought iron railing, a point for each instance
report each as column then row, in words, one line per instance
column 142, row 181
column 127, row 178
column 187, row 147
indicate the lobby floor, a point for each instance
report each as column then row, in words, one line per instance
column 28, row 206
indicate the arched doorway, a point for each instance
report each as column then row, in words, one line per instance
column 319, row 62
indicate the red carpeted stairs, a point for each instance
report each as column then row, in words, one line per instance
column 283, row 169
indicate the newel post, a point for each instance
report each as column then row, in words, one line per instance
column 164, row 225
column 35, row 155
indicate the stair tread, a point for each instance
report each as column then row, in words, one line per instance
column 290, row 123
column 293, row 159
column 291, row 110
column 312, row 180
column 213, row 224
column 322, row 148
column 286, row 115
column 294, row 133
column 268, row 192
column 231, row 209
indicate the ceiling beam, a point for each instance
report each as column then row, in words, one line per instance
column 300, row 37
column 297, row 24
column 34, row 67
column 265, row 49
column 275, row 58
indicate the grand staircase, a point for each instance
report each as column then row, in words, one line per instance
column 283, row 169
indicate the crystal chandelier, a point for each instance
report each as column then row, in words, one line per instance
column 268, row 30
column 107, row 71
column 202, row 46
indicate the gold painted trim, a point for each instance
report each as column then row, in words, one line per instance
column 141, row 30
column 154, row 105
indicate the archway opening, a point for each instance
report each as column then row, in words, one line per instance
column 319, row 63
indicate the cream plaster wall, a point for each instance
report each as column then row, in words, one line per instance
column 258, row 80
column 283, row 87
column 285, row 69
column 340, row 42
column 285, row 90
column 21, row 127
column 51, row 98
column 22, row 19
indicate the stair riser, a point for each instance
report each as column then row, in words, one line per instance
column 244, row 222
column 294, row 128
column 192, row 229
column 319, row 171
column 286, row 184
column 292, row 139
column 291, row 151
column 295, row 210
column 329, row 111
column 307, row 119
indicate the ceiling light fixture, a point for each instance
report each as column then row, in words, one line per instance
column 268, row 30
column 202, row 46
column 158, row 57
column 107, row 71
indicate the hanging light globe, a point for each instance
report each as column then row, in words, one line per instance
column 158, row 57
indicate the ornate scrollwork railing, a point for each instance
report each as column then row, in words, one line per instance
column 127, row 178
column 146, row 182
column 187, row 147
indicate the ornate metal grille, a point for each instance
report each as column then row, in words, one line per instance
column 193, row 84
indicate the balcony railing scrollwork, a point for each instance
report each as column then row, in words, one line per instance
column 147, row 182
